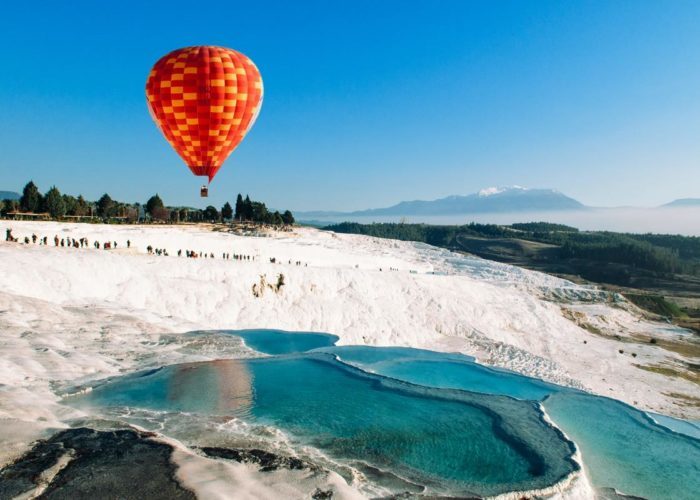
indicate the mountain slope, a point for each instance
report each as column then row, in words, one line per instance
column 490, row 200
column 485, row 201
column 9, row 195
column 683, row 202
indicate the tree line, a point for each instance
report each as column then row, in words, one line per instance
column 662, row 254
column 57, row 206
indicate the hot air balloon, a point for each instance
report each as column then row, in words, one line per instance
column 204, row 99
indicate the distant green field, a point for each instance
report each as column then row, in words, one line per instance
column 656, row 304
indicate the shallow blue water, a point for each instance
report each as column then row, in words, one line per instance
column 279, row 342
column 621, row 446
column 687, row 427
column 434, row 369
column 447, row 440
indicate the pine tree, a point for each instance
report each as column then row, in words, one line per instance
column 211, row 214
column 31, row 198
column 239, row 207
column 54, row 203
column 227, row 211
column 287, row 217
column 70, row 203
column 247, row 208
column 81, row 206
column 105, row 206
column 153, row 203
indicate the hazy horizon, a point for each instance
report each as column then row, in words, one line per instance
column 389, row 203
column 600, row 100
column 625, row 220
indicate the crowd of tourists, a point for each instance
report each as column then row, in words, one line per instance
column 112, row 245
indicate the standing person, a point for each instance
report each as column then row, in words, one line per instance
column 128, row 243
column 33, row 238
column 8, row 234
column 55, row 240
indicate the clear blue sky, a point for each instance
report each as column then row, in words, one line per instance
column 366, row 102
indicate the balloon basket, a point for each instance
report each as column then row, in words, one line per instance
column 204, row 191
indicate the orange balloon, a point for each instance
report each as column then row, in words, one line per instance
column 204, row 99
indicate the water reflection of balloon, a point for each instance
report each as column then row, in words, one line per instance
column 204, row 99
column 228, row 385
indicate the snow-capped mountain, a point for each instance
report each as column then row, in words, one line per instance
column 490, row 191
column 488, row 200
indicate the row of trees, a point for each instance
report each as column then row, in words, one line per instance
column 255, row 211
column 58, row 205
column 246, row 210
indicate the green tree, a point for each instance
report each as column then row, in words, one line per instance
column 81, row 206
column 70, row 204
column 258, row 211
column 31, row 198
column 227, row 211
column 9, row 206
column 153, row 203
column 54, row 203
column 247, row 208
column 276, row 219
column 211, row 214
column 239, row 207
column 105, row 206
column 287, row 217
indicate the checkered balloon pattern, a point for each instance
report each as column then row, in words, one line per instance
column 204, row 99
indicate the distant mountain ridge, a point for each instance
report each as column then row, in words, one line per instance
column 683, row 202
column 489, row 200
column 9, row 195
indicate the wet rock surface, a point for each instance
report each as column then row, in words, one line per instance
column 264, row 459
column 84, row 463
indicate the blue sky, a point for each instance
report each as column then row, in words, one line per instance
column 367, row 103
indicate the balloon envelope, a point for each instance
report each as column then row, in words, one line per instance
column 204, row 99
